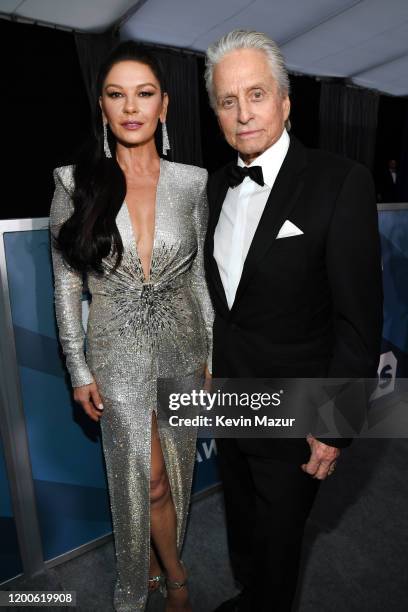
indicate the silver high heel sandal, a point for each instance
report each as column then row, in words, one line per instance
column 158, row 580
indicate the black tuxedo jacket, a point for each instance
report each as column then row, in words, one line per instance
column 309, row 305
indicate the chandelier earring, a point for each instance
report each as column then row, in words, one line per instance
column 165, row 139
column 106, row 148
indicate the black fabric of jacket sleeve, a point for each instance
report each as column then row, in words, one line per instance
column 353, row 260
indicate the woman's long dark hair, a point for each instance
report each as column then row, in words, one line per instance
column 91, row 234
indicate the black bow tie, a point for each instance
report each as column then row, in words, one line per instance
column 236, row 175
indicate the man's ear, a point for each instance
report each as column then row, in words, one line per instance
column 286, row 107
column 165, row 105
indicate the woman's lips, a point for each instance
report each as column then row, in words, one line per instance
column 132, row 125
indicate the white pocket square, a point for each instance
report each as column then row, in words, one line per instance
column 288, row 229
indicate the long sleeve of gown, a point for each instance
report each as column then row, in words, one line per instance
column 68, row 285
column 198, row 275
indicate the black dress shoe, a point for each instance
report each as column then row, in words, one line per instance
column 231, row 605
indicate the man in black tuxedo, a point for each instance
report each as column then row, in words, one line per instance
column 293, row 265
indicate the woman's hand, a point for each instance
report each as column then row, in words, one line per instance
column 90, row 400
column 207, row 379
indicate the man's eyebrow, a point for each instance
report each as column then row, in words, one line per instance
column 226, row 95
column 233, row 95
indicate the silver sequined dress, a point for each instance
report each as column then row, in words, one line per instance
column 137, row 332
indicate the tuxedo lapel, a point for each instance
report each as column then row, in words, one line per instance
column 218, row 199
column 284, row 194
column 216, row 202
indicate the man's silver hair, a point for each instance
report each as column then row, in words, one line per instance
column 245, row 39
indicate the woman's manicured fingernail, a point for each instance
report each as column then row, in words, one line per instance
column 100, row 406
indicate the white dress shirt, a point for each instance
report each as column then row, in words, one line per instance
column 240, row 214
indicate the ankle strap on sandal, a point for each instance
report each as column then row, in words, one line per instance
column 177, row 584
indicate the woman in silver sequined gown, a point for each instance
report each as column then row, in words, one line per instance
column 140, row 328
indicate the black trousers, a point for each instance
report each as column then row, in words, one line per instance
column 267, row 502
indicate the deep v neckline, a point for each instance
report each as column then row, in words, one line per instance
column 132, row 229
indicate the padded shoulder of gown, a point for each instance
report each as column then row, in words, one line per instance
column 65, row 175
column 188, row 170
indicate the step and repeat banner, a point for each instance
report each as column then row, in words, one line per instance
column 64, row 445
column 10, row 561
column 393, row 226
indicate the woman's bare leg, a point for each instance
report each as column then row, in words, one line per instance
column 164, row 526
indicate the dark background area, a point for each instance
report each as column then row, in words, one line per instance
column 45, row 112
column 392, row 138
column 46, row 116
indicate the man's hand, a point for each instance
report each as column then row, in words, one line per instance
column 322, row 460
column 90, row 400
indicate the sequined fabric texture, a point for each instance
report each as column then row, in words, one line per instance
column 137, row 332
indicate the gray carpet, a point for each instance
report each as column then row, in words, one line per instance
column 354, row 556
